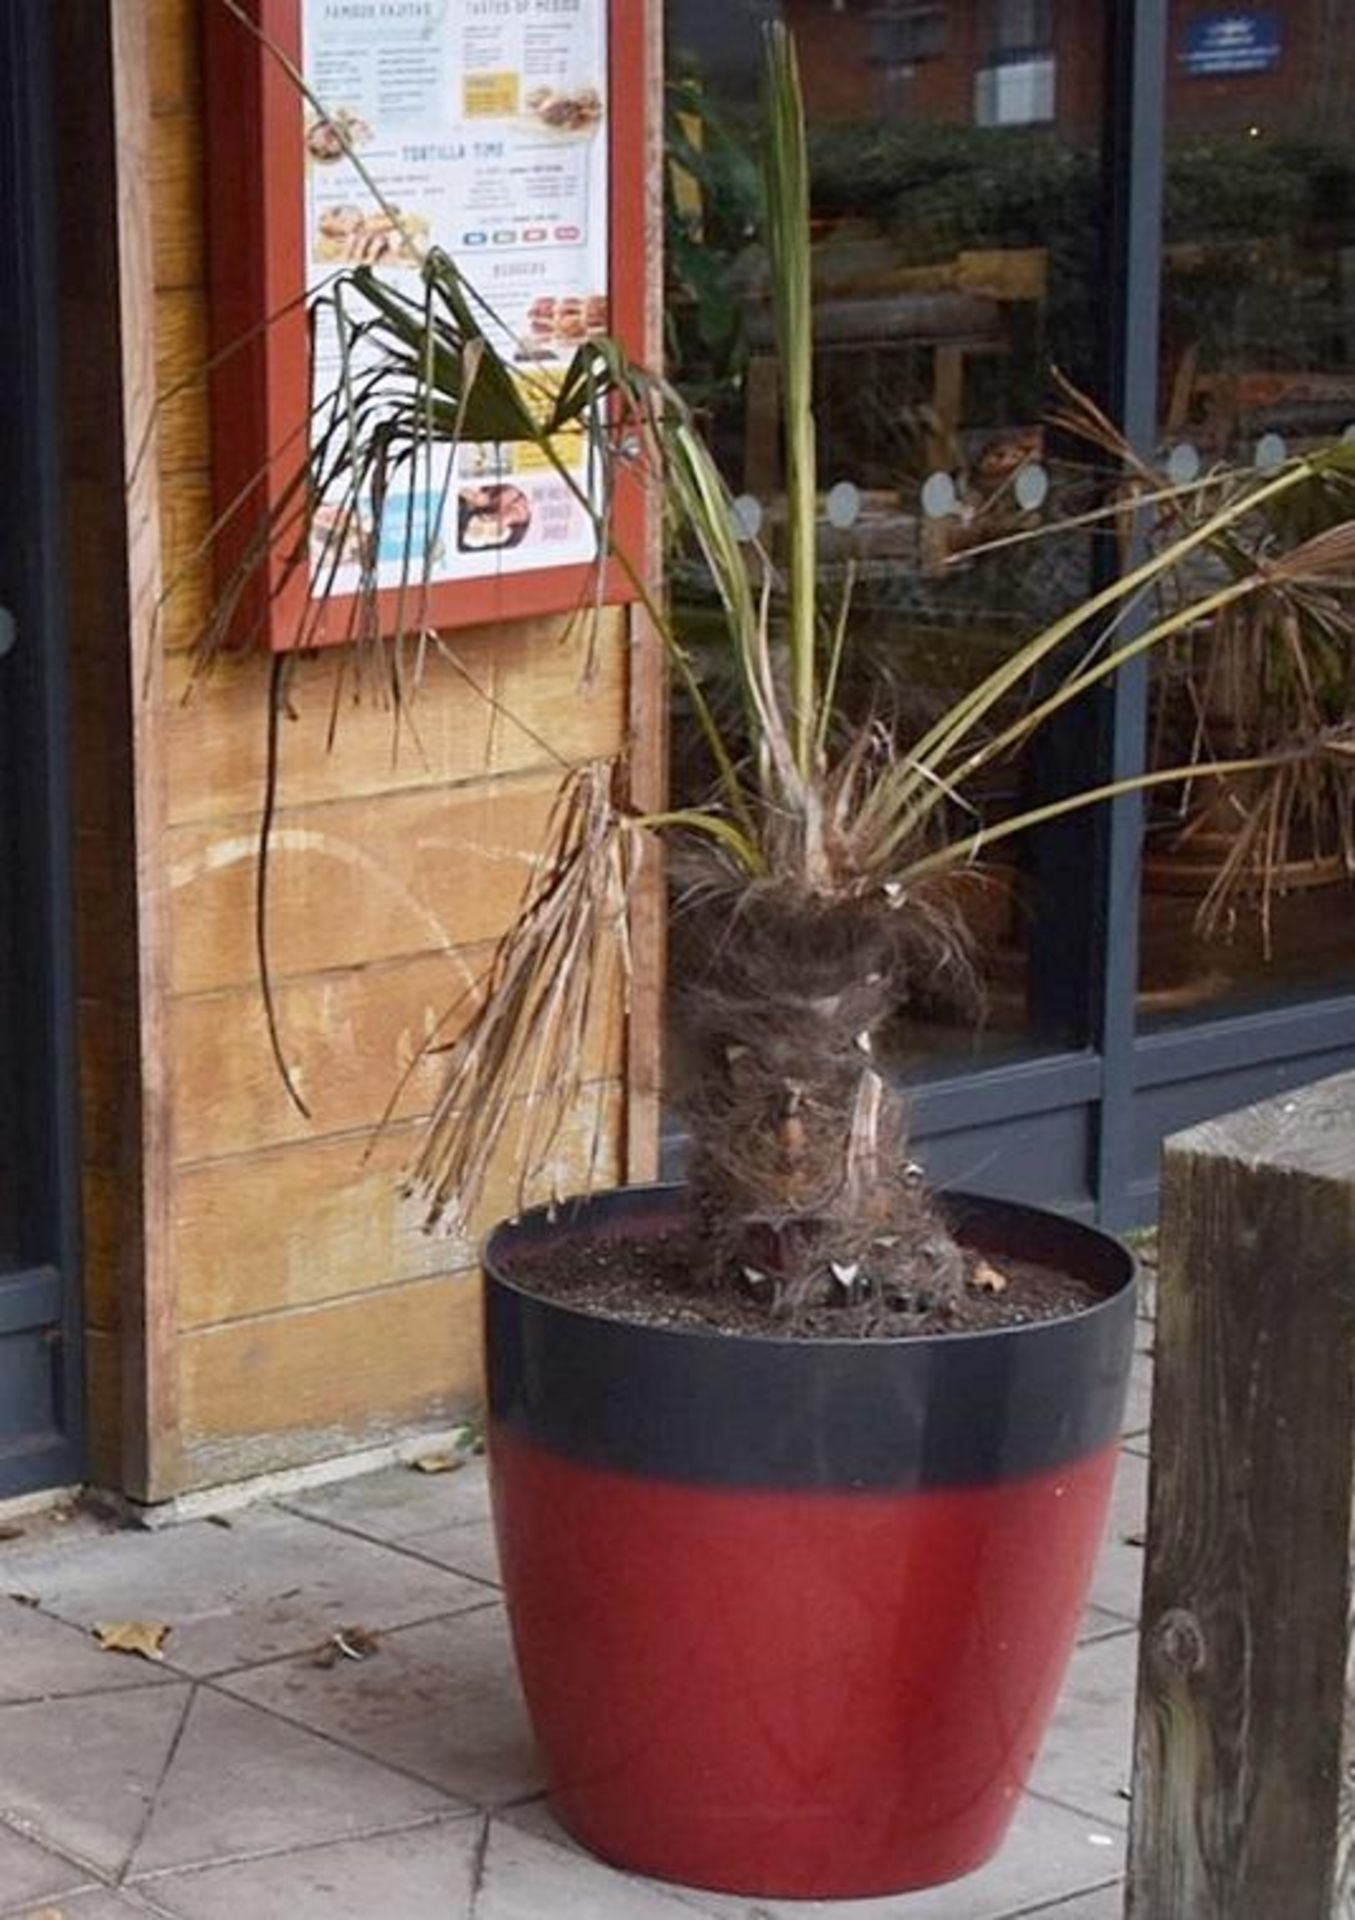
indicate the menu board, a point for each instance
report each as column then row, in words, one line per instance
column 515, row 136
column 481, row 127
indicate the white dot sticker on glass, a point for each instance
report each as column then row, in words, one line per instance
column 1183, row 464
column 1031, row 487
column 1271, row 452
column 844, row 505
column 938, row 496
column 747, row 516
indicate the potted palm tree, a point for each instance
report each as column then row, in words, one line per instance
column 799, row 1469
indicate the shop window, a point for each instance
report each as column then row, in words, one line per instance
column 904, row 35
column 1247, row 894
column 1019, row 93
column 1016, row 86
column 1019, row 30
column 953, row 264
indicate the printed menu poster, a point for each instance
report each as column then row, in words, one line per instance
column 484, row 125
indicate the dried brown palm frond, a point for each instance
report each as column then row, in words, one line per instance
column 521, row 1057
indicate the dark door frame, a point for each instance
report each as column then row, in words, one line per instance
column 40, row 1303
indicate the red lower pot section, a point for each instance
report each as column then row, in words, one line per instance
column 814, row 1694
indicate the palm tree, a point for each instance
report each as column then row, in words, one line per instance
column 826, row 861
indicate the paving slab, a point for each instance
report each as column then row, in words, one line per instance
column 1118, row 1580
column 241, row 1781
column 418, row 1873
column 30, row 1874
column 1107, row 1903
column 400, row 1501
column 82, row 1773
column 1138, row 1411
column 42, row 1659
column 527, row 1877
column 468, row 1548
column 101, row 1904
column 1087, row 1758
column 270, row 1584
column 1097, row 1623
column 440, row 1700
column 438, row 1872
column 1049, row 1854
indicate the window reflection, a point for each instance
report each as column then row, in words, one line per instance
column 1258, row 362
column 957, row 258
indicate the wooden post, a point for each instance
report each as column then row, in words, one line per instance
column 1244, row 1782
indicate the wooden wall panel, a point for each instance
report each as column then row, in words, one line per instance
column 186, row 523
column 148, row 1362
column 356, row 880
column 262, row 1394
column 101, row 729
column 296, row 1225
column 106, row 1241
column 538, row 699
column 349, row 1038
column 175, row 81
column 180, row 350
column 104, row 1412
column 294, row 1309
column 176, row 160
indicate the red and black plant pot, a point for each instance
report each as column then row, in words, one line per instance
column 791, row 1614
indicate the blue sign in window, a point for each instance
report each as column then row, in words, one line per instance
column 1226, row 43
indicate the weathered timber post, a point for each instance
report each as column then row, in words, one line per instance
column 1244, row 1771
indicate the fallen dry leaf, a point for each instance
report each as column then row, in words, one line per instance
column 438, row 1462
column 986, row 1277
column 348, row 1643
column 144, row 1637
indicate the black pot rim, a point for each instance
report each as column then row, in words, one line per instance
column 538, row 1224
column 701, row 1406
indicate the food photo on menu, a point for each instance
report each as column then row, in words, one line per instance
column 330, row 136
column 492, row 518
column 577, row 110
column 558, row 323
column 346, row 236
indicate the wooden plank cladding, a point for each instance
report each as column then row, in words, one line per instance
column 356, row 880
column 287, row 1304
column 264, row 1394
column 348, row 1038
column 296, row 1225
column 215, row 730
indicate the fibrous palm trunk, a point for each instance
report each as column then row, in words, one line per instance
column 800, row 1166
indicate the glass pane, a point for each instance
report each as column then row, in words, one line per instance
column 1247, row 893
column 956, row 187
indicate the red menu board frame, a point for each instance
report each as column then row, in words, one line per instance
column 260, row 336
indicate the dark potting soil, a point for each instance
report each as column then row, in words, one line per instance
column 653, row 1281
